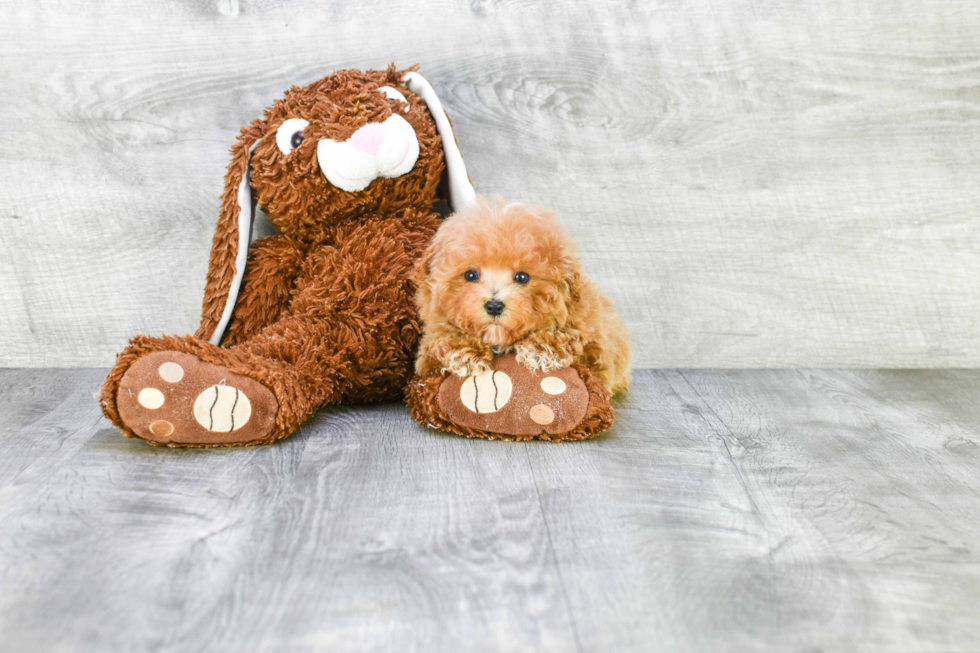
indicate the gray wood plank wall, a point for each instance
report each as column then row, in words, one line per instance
column 756, row 182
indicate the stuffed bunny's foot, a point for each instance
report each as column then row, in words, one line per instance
column 512, row 402
column 169, row 397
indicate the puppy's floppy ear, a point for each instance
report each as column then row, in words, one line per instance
column 573, row 281
column 422, row 271
column 461, row 191
column 423, row 267
column 229, row 249
column 572, row 277
column 422, row 274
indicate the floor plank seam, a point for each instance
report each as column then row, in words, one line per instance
column 554, row 555
column 728, row 450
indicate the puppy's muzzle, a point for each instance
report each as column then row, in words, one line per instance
column 494, row 308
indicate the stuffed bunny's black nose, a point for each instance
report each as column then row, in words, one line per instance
column 493, row 308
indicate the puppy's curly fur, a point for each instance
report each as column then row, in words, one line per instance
column 553, row 318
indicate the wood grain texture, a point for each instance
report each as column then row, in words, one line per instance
column 756, row 183
column 725, row 511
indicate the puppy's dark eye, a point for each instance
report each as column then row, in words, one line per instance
column 471, row 275
column 522, row 278
column 296, row 139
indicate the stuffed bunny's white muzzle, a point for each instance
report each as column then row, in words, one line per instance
column 378, row 149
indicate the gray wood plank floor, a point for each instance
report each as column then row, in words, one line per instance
column 727, row 510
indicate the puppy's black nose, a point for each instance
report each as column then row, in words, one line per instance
column 494, row 308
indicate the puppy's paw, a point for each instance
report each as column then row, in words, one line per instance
column 467, row 363
column 541, row 357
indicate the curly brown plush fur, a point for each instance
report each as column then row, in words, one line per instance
column 325, row 312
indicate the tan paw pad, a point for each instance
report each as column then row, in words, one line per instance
column 553, row 385
column 487, row 392
column 542, row 414
column 171, row 372
column 161, row 428
column 222, row 408
column 150, row 398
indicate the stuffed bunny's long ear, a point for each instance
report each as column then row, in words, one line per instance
column 461, row 192
column 232, row 236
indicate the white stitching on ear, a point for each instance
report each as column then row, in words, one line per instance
column 246, row 216
column 461, row 192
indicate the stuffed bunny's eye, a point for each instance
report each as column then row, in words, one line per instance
column 393, row 94
column 290, row 134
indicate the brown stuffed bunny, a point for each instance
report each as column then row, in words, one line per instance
column 322, row 313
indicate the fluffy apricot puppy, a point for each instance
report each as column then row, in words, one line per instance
column 500, row 278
